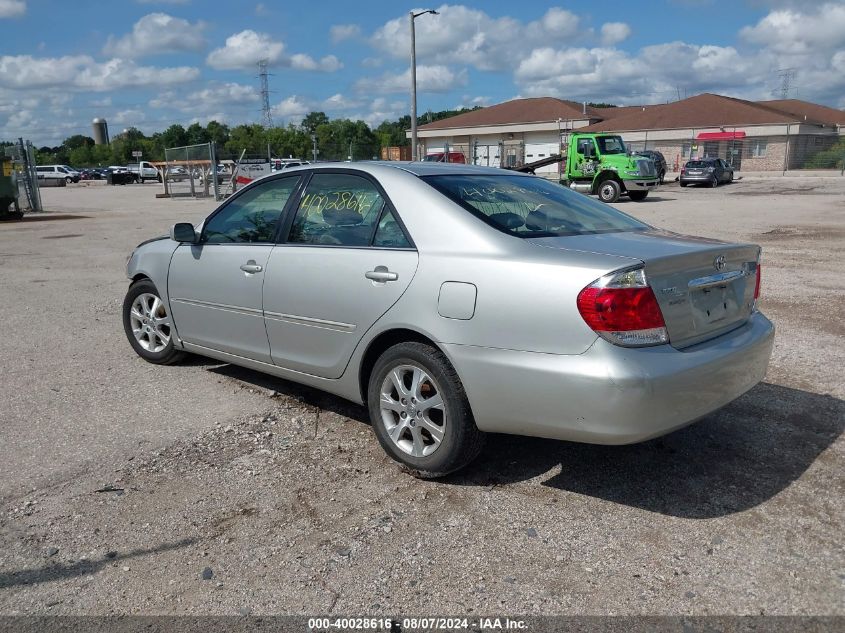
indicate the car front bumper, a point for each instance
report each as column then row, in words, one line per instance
column 641, row 185
column 611, row 394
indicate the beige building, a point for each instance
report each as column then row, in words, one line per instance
column 753, row 136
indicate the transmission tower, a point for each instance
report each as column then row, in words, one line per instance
column 267, row 117
column 787, row 76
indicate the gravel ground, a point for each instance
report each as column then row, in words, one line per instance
column 208, row 489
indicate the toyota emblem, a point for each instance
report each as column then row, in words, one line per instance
column 719, row 263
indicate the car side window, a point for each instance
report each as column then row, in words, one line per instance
column 389, row 233
column 252, row 216
column 338, row 210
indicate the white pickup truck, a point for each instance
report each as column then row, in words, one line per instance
column 143, row 171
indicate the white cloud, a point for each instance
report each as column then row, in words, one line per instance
column 341, row 32
column 132, row 116
column 157, row 33
column 12, row 8
column 789, row 31
column 236, row 101
column 244, row 50
column 327, row 64
column 470, row 36
column 436, row 78
column 294, row 107
column 82, row 72
column 652, row 74
column 614, row 32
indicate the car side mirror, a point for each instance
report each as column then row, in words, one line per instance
column 183, row 232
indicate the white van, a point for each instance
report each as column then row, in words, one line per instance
column 58, row 171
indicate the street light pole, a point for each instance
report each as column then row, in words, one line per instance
column 413, row 16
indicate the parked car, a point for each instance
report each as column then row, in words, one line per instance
column 176, row 173
column 706, row 171
column 278, row 164
column 658, row 159
column 456, row 300
column 223, row 175
column 58, row 171
column 119, row 175
column 445, row 157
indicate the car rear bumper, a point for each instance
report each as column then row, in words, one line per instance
column 697, row 179
column 611, row 394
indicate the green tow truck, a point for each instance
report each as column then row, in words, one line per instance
column 600, row 165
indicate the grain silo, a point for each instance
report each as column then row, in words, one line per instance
column 101, row 131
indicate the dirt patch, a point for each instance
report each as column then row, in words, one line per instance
column 787, row 233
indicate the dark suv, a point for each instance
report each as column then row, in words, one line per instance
column 658, row 160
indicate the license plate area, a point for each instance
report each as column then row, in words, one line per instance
column 716, row 306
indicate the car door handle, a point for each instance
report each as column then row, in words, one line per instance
column 382, row 274
column 251, row 267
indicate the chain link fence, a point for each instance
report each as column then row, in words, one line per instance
column 192, row 172
column 22, row 155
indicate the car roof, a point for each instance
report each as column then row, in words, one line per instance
column 418, row 168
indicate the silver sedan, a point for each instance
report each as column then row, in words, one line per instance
column 456, row 301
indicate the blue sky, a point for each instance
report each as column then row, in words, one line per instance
column 148, row 63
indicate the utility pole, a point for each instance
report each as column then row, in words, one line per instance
column 267, row 118
column 350, row 150
column 314, row 140
column 413, row 16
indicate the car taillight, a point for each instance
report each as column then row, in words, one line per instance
column 757, row 287
column 622, row 309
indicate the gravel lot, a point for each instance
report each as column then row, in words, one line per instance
column 204, row 488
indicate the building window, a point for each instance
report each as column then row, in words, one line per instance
column 756, row 147
column 685, row 148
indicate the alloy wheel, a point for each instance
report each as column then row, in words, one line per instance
column 412, row 410
column 150, row 322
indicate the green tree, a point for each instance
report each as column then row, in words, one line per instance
column 196, row 134
column 217, row 133
column 76, row 141
column 82, row 156
column 174, row 136
column 250, row 137
column 313, row 120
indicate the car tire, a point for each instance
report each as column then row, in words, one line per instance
column 682, row 183
column 68, row 180
column 638, row 196
column 715, row 182
column 148, row 326
column 427, row 441
column 609, row 191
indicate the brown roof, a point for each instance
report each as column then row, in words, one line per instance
column 618, row 111
column 540, row 109
column 812, row 111
column 705, row 110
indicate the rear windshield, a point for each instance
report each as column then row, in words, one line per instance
column 698, row 163
column 528, row 206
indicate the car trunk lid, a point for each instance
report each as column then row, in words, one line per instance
column 704, row 287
